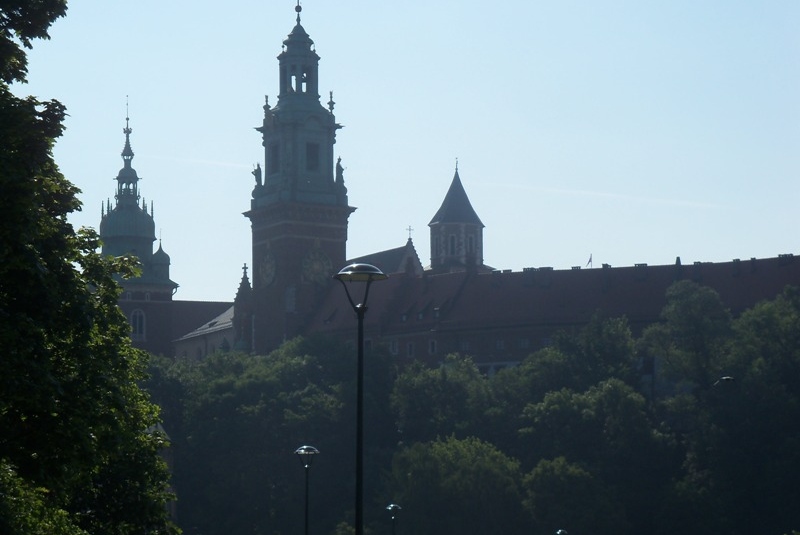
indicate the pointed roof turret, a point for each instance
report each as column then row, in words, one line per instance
column 456, row 232
column 127, row 227
column 127, row 178
column 244, row 286
column 456, row 207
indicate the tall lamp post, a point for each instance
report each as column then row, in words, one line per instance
column 306, row 455
column 393, row 509
column 364, row 274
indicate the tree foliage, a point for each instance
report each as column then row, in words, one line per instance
column 240, row 419
column 455, row 485
column 76, row 451
column 568, row 439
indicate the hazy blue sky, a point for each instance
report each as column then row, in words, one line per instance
column 634, row 131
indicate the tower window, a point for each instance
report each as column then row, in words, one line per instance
column 299, row 80
column 470, row 244
column 451, row 245
column 410, row 349
column 137, row 325
column 274, row 163
column 431, row 347
column 312, row 156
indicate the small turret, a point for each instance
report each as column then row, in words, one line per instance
column 456, row 232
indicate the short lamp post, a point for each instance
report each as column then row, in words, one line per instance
column 306, row 455
column 393, row 509
column 364, row 274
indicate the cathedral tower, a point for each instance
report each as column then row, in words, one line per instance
column 299, row 211
column 128, row 228
column 456, row 233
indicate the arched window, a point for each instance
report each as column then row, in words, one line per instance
column 138, row 325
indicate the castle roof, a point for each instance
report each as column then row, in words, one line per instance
column 456, row 207
column 547, row 299
column 398, row 260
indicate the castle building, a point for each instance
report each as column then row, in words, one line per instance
column 299, row 214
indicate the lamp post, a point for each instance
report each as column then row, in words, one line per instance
column 393, row 509
column 306, row 456
column 366, row 274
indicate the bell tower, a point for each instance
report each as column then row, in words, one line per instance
column 128, row 228
column 456, row 233
column 299, row 210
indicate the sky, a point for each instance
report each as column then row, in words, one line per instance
column 622, row 131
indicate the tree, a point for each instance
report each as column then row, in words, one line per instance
column 607, row 432
column 746, row 448
column 564, row 495
column 236, row 420
column 432, row 402
column 689, row 343
column 76, row 447
column 457, row 486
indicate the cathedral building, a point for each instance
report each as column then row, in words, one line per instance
column 128, row 229
column 299, row 213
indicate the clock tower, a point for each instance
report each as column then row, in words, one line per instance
column 298, row 211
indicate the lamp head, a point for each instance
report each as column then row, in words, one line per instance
column 360, row 273
column 306, row 455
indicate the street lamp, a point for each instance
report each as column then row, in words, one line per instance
column 366, row 274
column 306, row 456
column 393, row 509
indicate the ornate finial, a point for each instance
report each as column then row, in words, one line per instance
column 331, row 103
column 298, row 9
column 127, row 152
column 266, row 102
column 127, row 130
column 244, row 271
column 410, row 230
column 456, row 164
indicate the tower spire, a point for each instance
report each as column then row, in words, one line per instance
column 127, row 179
column 127, row 152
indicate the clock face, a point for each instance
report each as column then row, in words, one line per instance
column 317, row 267
column 266, row 269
